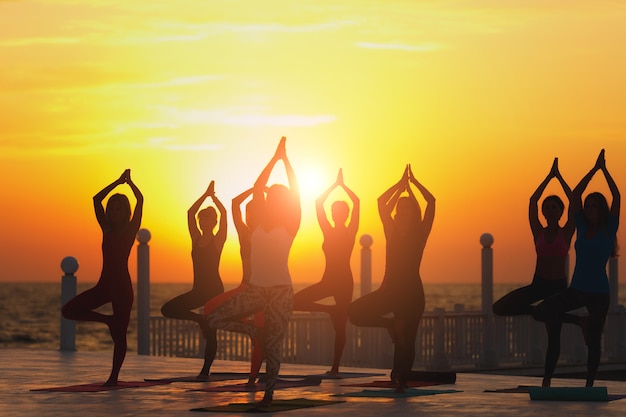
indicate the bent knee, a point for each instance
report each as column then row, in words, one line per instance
column 68, row 312
column 497, row 309
column 539, row 312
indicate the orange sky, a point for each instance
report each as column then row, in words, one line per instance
column 479, row 96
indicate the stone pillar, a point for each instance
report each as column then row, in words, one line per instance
column 489, row 358
column 69, row 265
column 143, row 292
column 366, row 264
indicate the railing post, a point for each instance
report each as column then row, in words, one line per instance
column 440, row 359
column 488, row 359
column 69, row 265
column 366, row 264
column 143, row 292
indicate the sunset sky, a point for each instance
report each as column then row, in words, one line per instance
column 478, row 96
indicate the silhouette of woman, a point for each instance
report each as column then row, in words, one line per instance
column 337, row 279
column 401, row 291
column 270, row 288
column 596, row 232
column 206, row 250
column 114, row 286
column 552, row 245
column 244, row 232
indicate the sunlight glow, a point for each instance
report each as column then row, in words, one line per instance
column 312, row 183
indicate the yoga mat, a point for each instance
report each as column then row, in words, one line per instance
column 442, row 377
column 569, row 394
column 389, row 384
column 277, row 405
column 97, row 387
column 216, row 376
column 520, row 389
column 280, row 384
column 410, row 392
column 346, row 375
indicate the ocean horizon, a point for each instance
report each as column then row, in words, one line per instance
column 31, row 311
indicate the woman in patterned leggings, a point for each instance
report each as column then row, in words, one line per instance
column 270, row 289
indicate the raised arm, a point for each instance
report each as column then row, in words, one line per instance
column 322, row 219
column 240, row 225
column 353, row 226
column 258, row 191
column 220, row 235
column 100, row 196
column 533, row 204
column 192, row 223
column 135, row 221
column 576, row 202
column 387, row 201
column 615, row 194
column 292, row 224
column 569, row 227
column 429, row 212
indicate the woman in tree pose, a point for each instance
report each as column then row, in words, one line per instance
column 337, row 281
column 552, row 244
column 114, row 286
column 206, row 251
column 401, row 292
column 270, row 288
column 244, row 231
column 596, row 232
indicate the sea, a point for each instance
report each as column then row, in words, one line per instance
column 30, row 312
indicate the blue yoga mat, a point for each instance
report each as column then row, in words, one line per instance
column 569, row 393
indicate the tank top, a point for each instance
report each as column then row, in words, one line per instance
column 558, row 247
column 268, row 257
column 206, row 260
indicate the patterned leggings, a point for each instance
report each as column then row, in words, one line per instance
column 277, row 305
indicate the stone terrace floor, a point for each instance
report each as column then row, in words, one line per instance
column 22, row 370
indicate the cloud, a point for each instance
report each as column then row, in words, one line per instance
column 399, row 47
column 245, row 117
column 170, row 144
column 39, row 41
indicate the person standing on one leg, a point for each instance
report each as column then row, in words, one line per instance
column 270, row 289
column 119, row 230
column 552, row 244
column 206, row 251
column 244, row 232
column 401, row 292
column 337, row 281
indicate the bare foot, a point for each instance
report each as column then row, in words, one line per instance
column 267, row 400
column 394, row 377
column 332, row 373
column 202, row 377
column 110, row 383
column 546, row 382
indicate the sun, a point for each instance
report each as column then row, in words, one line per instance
column 312, row 181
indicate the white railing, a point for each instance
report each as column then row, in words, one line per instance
column 445, row 340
